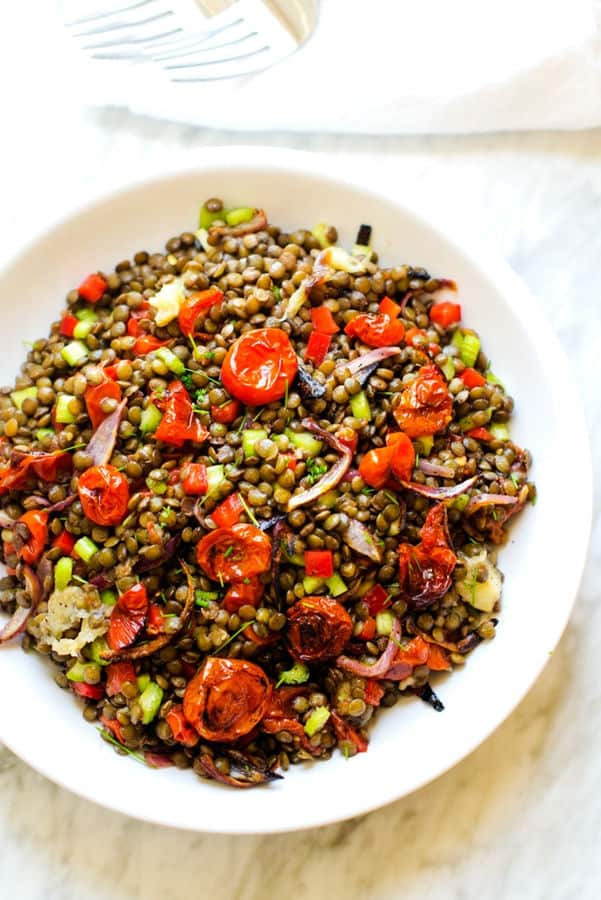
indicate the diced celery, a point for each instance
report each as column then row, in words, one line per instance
column 74, row 352
column 17, row 397
column 296, row 559
column 304, row 440
column 239, row 215
column 298, row 674
column 157, row 487
column 250, row 438
column 448, row 369
column 424, row 444
column 312, row 583
column 86, row 315
column 470, row 348
column 63, row 414
column 206, row 217
column 85, row 548
column 461, row 502
column 77, row 672
column 329, row 499
column 150, row 700
column 82, row 329
column 150, row 419
column 457, row 339
column 215, row 475
column 63, row 570
column 320, row 232
column 316, row 720
column 384, row 622
column 363, row 251
column 108, row 597
column 171, row 360
column 203, row 598
column 41, row 433
column 500, row 431
column 493, row 379
column 336, row 585
column 202, row 236
column 96, row 649
column 360, row 406
column 143, row 682
column 467, row 423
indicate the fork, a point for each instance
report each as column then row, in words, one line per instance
column 196, row 40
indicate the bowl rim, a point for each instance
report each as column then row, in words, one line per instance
column 322, row 167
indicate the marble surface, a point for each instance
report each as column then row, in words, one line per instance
column 520, row 818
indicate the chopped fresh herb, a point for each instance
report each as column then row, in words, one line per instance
column 315, row 469
column 231, row 637
column 186, row 379
column 229, row 551
column 391, row 497
column 108, row 737
column 204, row 598
column 494, row 514
column 368, row 490
column 277, row 293
column 514, row 478
column 220, row 577
column 78, row 579
column 249, row 511
column 246, row 580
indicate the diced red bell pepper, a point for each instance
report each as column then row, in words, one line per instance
column 317, row 347
column 115, row 727
column 319, row 563
column 412, row 333
column 111, row 371
column 373, row 692
column 227, row 413
column 414, row 652
column 118, row 674
column 228, row 512
column 179, row 423
column 243, row 593
column 128, row 617
column 181, row 730
column 348, row 437
column 480, row 434
column 95, row 394
column 195, row 479
column 68, row 324
column 134, row 328
column 147, row 343
column 323, row 320
column 65, row 542
column 292, row 463
column 92, row 288
column 438, row 660
column 89, row 691
column 472, row 378
column 194, row 305
column 155, row 624
column 368, row 629
column 377, row 599
column 445, row 313
column 36, row 521
column 390, row 308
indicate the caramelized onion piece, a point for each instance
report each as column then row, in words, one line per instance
column 102, row 442
column 17, row 622
column 440, row 493
column 361, row 540
column 383, row 664
column 332, row 477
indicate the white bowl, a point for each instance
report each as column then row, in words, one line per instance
column 410, row 744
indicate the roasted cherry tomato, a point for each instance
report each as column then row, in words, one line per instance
column 156, row 620
column 226, row 413
column 233, row 554
column 318, row 629
column 281, row 716
column 243, row 593
column 403, row 457
column 147, row 343
column 227, row 698
column 413, row 652
column 259, row 366
column 323, row 320
column 194, row 305
column 36, row 521
column 389, row 307
column 92, row 288
column 179, row 423
column 377, row 599
column 374, row 467
column 345, row 732
column 481, row 434
column 89, row 691
column 445, row 313
column 437, row 661
column 118, row 674
column 46, row 466
column 181, row 731
column 127, row 617
column 195, row 478
column 373, row 692
column 104, row 494
column 134, row 328
column 94, row 396
column 425, row 405
column 425, row 569
column 376, row 330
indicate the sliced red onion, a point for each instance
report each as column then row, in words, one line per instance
column 383, row 664
column 371, row 358
column 101, row 582
column 398, row 672
column 480, row 500
column 352, row 473
column 17, row 622
column 435, row 470
column 102, row 442
column 328, row 481
column 440, row 493
column 361, row 540
column 45, row 573
column 168, row 551
column 157, row 760
column 257, row 223
column 250, row 774
column 62, row 504
column 36, row 500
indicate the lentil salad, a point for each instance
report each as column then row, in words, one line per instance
column 252, row 490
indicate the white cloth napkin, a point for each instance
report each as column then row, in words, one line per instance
column 396, row 66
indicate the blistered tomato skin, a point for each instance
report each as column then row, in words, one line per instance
column 259, row 367
column 233, row 554
column 318, row 629
column 425, row 406
column 104, row 494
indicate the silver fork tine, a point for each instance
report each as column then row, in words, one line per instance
column 197, row 48
column 214, row 62
column 105, row 15
column 116, row 26
column 131, row 40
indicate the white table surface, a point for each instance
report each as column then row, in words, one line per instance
column 521, row 817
